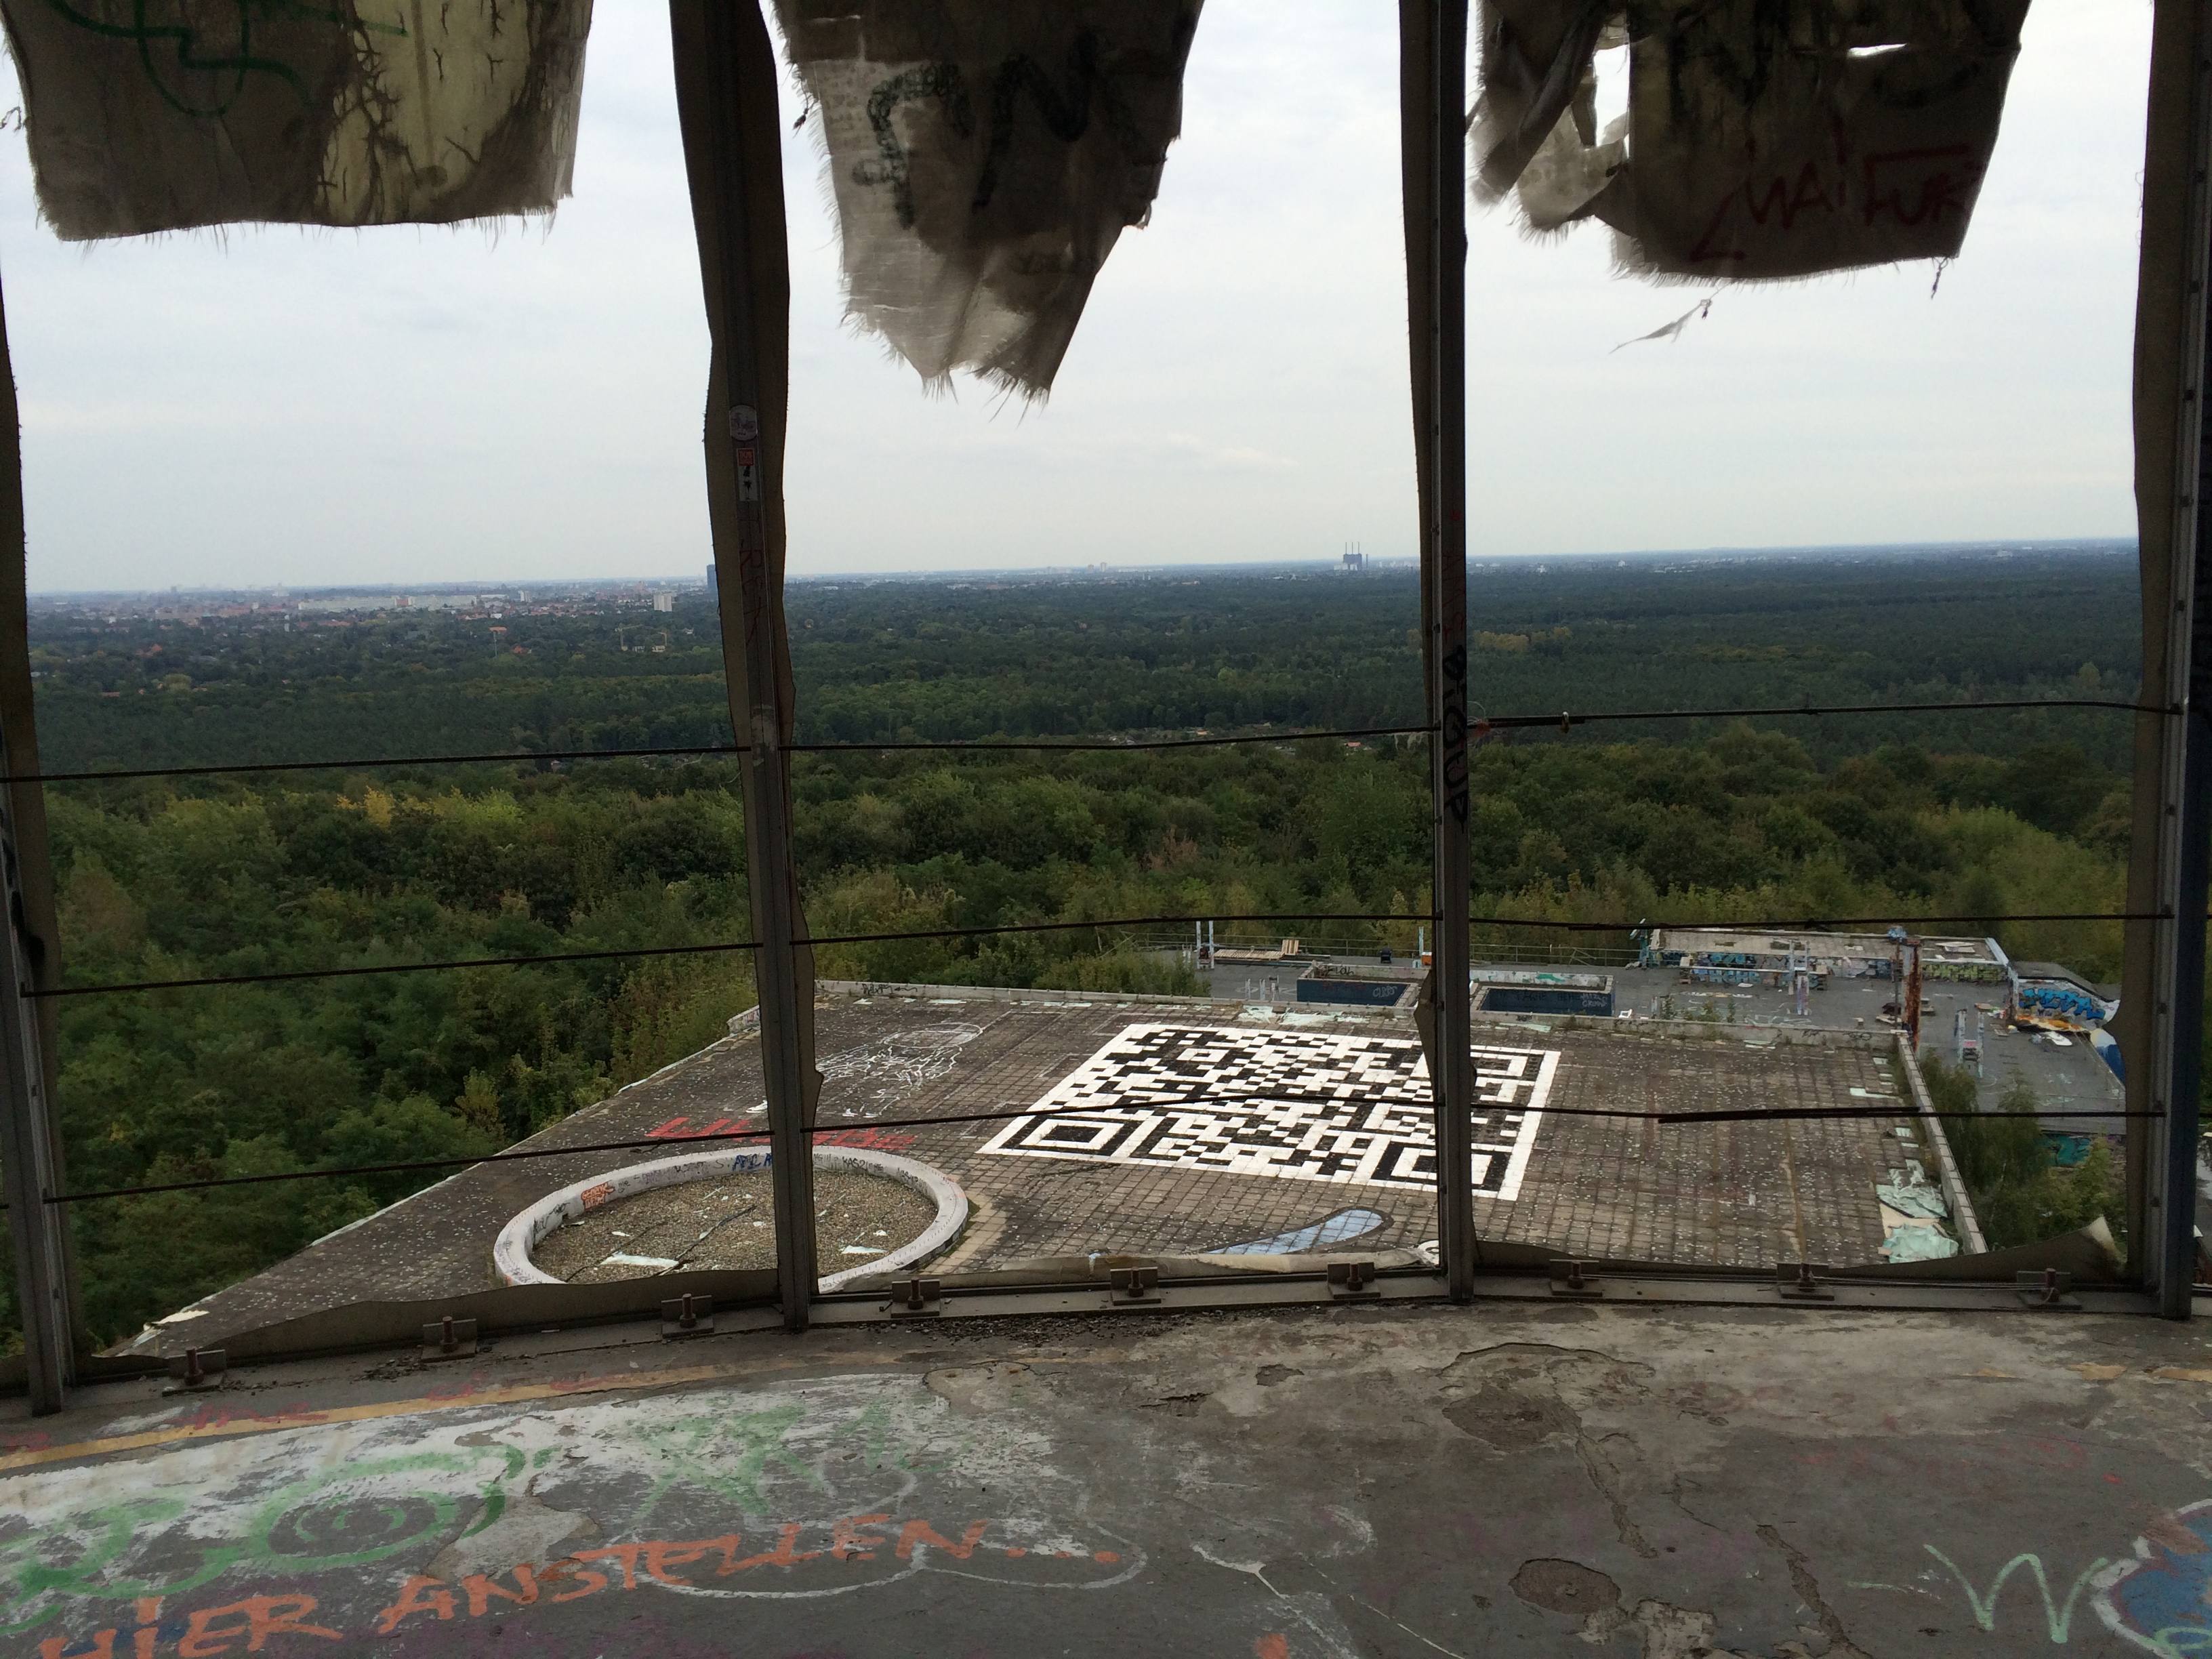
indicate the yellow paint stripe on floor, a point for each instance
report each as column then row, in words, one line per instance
column 2183, row 1373
column 2098, row 1373
column 513, row 1394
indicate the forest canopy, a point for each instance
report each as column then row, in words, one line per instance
column 1957, row 813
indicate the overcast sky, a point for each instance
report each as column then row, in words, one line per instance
column 410, row 405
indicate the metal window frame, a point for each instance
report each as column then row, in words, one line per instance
column 723, row 61
column 2161, row 1020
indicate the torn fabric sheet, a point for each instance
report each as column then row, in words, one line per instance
column 1765, row 139
column 985, row 155
column 165, row 116
column 1773, row 141
column 1670, row 330
column 1534, row 77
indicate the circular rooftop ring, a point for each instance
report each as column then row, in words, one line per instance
column 511, row 1251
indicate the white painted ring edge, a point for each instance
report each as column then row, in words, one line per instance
column 511, row 1258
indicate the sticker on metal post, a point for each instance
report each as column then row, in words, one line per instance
column 749, row 483
column 744, row 422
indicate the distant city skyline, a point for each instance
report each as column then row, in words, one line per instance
column 523, row 402
column 522, row 588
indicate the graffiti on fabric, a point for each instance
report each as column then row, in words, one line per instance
column 276, row 1541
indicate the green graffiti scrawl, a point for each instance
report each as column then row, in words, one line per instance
column 237, row 63
column 306, row 1526
column 2057, row 1617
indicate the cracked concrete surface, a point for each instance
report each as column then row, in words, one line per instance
column 1498, row 1479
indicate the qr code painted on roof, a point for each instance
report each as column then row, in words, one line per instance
column 1306, row 1105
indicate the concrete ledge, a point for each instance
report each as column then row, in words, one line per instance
column 512, row 1251
column 1970, row 1242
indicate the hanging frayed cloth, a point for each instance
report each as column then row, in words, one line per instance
column 1781, row 141
column 165, row 116
column 1535, row 113
column 1765, row 139
column 985, row 156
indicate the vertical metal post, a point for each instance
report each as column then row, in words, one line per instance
column 29, row 1177
column 1432, row 92
column 726, row 82
column 2161, row 1008
column 2184, row 774
column 31, row 1160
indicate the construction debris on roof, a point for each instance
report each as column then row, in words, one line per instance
column 208, row 113
column 1761, row 141
column 985, row 155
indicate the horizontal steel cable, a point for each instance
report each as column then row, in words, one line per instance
column 1567, row 717
column 1767, row 924
column 1010, row 745
column 391, row 968
column 1733, row 1114
column 675, row 950
column 1564, row 718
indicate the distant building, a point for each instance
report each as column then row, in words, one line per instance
column 1713, row 956
column 2048, row 994
column 714, row 588
column 1354, row 557
column 663, row 602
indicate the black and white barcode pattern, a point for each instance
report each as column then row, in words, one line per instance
column 1303, row 1104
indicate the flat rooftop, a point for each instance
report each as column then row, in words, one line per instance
column 1179, row 1127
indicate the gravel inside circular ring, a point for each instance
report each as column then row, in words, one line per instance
column 729, row 1221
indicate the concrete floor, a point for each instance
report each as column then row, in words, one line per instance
column 1496, row 1480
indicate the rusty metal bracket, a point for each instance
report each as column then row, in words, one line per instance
column 1800, row 1281
column 2047, row 1289
column 1353, row 1280
column 916, row 1297
column 449, row 1338
column 687, row 1315
column 198, row 1368
column 1576, row 1278
column 1132, row 1285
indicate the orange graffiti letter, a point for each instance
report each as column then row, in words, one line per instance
column 481, row 1589
column 1272, row 1647
column 780, row 1556
column 847, row 1540
column 412, row 1599
column 661, row 1555
column 919, row 1532
column 561, row 1570
column 625, row 1554
column 103, row 1647
column 265, row 1616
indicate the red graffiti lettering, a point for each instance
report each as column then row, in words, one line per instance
column 412, row 1599
column 1940, row 192
column 265, row 1616
column 481, row 1589
column 847, row 1541
column 625, row 1554
column 103, row 1647
column 780, row 1556
column 919, row 1532
column 877, row 1139
column 593, row 1582
column 1272, row 1646
column 659, row 1557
